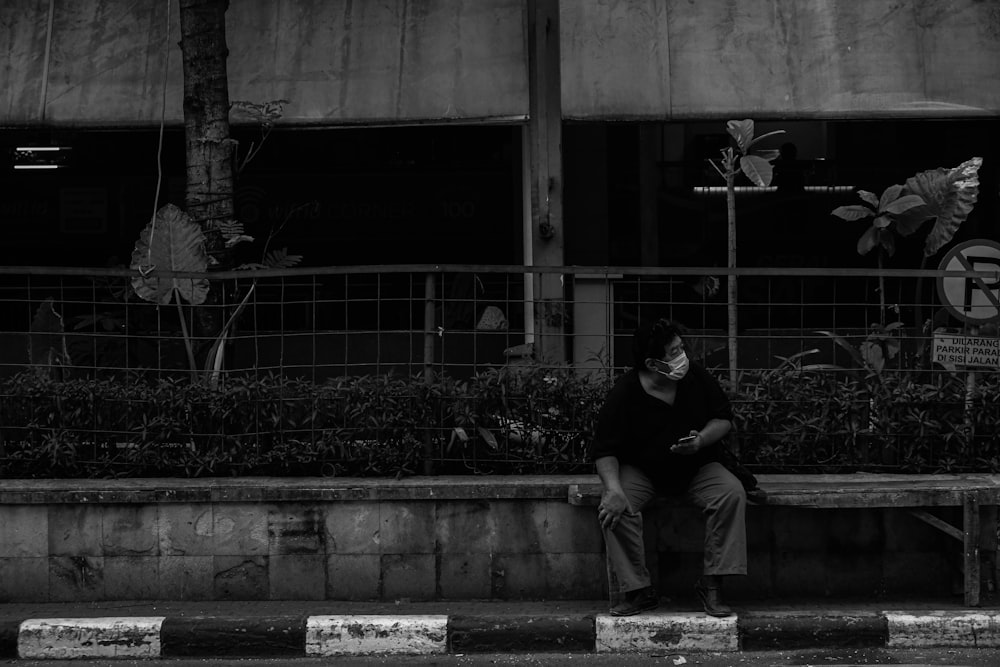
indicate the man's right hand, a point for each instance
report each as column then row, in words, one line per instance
column 613, row 505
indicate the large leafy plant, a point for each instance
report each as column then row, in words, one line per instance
column 943, row 195
column 890, row 213
column 173, row 243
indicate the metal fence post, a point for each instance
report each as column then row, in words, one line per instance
column 429, row 332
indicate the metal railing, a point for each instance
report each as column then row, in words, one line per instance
column 827, row 379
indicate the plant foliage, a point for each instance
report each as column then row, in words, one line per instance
column 518, row 419
column 950, row 195
column 170, row 242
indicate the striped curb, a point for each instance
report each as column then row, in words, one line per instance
column 658, row 631
column 760, row 631
column 944, row 630
column 135, row 637
column 9, row 630
column 227, row 636
column 342, row 635
column 382, row 635
column 493, row 633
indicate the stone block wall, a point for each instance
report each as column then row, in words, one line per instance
column 296, row 540
column 451, row 538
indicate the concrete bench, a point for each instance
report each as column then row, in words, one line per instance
column 915, row 493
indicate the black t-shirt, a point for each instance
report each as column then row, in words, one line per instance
column 639, row 429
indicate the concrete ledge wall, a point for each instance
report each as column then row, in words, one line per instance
column 418, row 539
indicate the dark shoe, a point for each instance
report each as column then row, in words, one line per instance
column 711, row 600
column 637, row 601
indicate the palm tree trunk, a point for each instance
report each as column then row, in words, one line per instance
column 208, row 197
column 209, row 149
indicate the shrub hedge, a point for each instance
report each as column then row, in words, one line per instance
column 517, row 419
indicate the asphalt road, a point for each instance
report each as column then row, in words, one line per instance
column 824, row 658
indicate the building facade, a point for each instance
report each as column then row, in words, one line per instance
column 522, row 132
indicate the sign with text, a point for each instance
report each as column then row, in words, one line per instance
column 966, row 350
column 973, row 298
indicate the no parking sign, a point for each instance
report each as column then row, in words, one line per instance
column 972, row 299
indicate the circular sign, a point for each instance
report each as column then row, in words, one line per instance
column 972, row 298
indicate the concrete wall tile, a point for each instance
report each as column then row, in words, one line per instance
column 680, row 529
column 580, row 576
column 411, row 576
column 799, row 573
column 241, row 578
column 76, row 578
column 186, row 529
column 757, row 584
column 905, row 532
column 407, row 528
column 296, row 529
column 353, row 576
column 465, row 527
column 24, row 579
column 75, row 530
column 759, row 527
column 931, row 573
column 676, row 574
column 24, row 531
column 352, row 528
column 519, row 575
column 131, row 577
column 853, row 573
column 297, row 577
column 798, row 529
column 130, row 530
column 854, row 530
column 519, row 526
column 464, row 576
column 571, row 529
column 187, row 577
column 240, row 529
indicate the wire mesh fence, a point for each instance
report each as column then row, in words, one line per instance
column 457, row 369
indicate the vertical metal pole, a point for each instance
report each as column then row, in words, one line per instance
column 528, row 240
column 546, row 180
column 429, row 333
column 971, row 543
column 970, row 389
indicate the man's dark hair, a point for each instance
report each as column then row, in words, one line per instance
column 651, row 340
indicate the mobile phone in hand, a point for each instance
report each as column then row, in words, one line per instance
column 686, row 439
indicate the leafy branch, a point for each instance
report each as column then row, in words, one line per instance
column 755, row 165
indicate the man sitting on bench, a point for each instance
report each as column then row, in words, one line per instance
column 659, row 433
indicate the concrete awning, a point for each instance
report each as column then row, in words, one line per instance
column 104, row 62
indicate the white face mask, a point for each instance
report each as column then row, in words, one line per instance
column 678, row 366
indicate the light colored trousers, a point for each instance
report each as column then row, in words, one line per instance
column 723, row 502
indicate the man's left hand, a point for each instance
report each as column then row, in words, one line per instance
column 688, row 447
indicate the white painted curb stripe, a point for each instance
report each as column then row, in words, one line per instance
column 956, row 629
column 671, row 631
column 363, row 635
column 49, row 638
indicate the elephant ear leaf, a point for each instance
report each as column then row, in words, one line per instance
column 950, row 195
column 170, row 242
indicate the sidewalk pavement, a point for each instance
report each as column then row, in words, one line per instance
column 331, row 628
